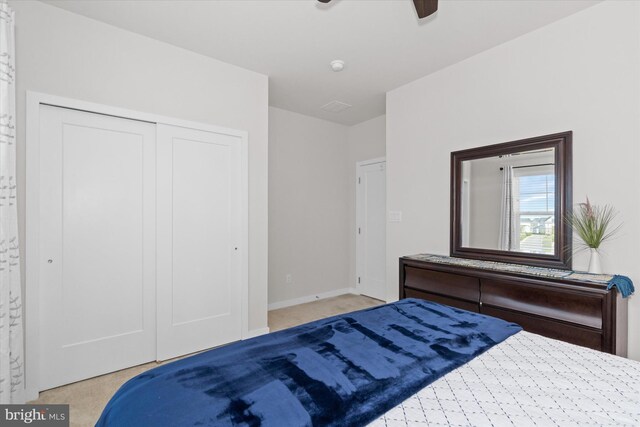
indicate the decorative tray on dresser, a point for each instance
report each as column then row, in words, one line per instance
column 578, row 308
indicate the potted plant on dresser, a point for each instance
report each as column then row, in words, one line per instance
column 594, row 225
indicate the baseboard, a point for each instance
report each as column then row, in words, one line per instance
column 311, row 298
column 256, row 333
column 30, row 395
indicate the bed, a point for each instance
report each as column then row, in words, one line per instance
column 528, row 380
column 412, row 362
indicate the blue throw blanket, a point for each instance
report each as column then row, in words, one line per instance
column 346, row 370
column 624, row 285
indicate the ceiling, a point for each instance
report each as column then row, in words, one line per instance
column 382, row 42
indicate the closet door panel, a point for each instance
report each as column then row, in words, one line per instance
column 98, row 244
column 202, row 230
column 199, row 236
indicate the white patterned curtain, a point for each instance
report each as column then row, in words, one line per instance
column 11, row 352
column 509, row 233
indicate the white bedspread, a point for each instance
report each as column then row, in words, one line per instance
column 528, row 380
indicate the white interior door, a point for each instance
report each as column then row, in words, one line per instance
column 96, row 246
column 371, row 229
column 199, row 240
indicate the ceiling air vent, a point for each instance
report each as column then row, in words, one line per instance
column 335, row 106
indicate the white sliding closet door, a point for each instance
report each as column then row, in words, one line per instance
column 199, row 239
column 97, row 245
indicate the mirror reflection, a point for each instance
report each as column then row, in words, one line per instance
column 508, row 202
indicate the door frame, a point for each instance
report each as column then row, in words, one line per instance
column 358, row 210
column 32, row 212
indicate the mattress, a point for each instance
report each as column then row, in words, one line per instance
column 528, row 380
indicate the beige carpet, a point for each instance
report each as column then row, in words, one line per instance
column 88, row 398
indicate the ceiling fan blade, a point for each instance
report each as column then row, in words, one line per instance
column 424, row 7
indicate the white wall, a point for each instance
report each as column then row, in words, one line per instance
column 485, row 199
column 581, row 74
column 366, row 141
column 312, row 172
column 64, row 54
column 308, row 206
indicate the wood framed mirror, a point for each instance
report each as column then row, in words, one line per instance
column 509, row 201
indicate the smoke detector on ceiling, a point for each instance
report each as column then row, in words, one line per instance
column 337, row 65
column 335, row 106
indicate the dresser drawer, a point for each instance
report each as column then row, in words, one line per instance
column 567, row 309
column 551, row 329
column 574, row 307
column 465, row 305
column 450, row 285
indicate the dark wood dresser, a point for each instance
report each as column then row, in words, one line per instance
column 579, row 312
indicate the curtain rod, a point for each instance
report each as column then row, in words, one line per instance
column 544, row 150
column 532, row 166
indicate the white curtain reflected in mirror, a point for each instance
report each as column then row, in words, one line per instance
column 508, row 202
column 509, row 234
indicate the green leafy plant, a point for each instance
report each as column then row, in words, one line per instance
column 593, row 223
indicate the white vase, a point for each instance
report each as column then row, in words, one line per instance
column 594, row 263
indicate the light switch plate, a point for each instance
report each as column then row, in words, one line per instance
column 395, row 216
